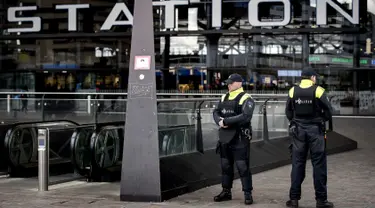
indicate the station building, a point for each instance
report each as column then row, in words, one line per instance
column 84, row 45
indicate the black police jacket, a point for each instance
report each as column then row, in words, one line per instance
column 308, row 103
column 236, row 108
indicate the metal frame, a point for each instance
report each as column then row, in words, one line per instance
column 253, row 31
column 158, row 94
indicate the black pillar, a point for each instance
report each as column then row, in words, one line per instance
column 373, row 30
column 212, row 55
column 254, row 49
column 166, row 61
column 356, row 65
column 373, row 34
column 140, row 176
column 306, row 36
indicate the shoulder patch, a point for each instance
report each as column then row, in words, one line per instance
column 250, row 104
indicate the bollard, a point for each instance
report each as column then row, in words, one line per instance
column 265, row 122
column 43, row 159
column 89, row 104
column 8, row 103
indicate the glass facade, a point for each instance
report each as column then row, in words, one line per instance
column 89, row 54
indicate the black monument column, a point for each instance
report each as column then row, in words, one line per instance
column 140, row 177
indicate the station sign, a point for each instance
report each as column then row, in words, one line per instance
column 338, row 60
column 170, row 17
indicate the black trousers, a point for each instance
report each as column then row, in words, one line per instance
column 236, row 151
column 308, row 137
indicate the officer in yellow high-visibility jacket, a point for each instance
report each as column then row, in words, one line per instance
column 233, row 114
column 307, row 109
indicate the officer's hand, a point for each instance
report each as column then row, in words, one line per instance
column 221, row 123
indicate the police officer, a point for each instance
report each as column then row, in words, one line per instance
column 307, row 109
column 233, row 114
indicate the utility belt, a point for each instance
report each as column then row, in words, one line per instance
column 246, row 133
column 293, row 125
column 227, row 135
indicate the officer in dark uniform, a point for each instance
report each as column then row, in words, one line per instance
column 307, row 109
column 233, row 114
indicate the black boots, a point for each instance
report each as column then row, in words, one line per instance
column 292, row 203
column 319, row 204
column 226, row 195
column 248, row 198
column 324, row 204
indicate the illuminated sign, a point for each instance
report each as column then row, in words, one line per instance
column 170, row 16
column 60, row 66
column 289, row 73
column 342, row 60
column 314, row 59
column 328, row 59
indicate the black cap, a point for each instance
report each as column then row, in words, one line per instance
column 234, row 78
column 309, row 73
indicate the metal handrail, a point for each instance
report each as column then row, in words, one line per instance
column 159, row 99
column 117, row 93
column 93, row 104
column 165, row 100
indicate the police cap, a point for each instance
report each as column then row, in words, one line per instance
column 309, row 73
column 234, row 78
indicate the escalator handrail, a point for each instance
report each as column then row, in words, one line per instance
column 74, row 140
column 11, row 130
column 176, row 127
column 8, row 136
column 93, row 142
column 45, row 125
column 37, row 122
column 109, row 127
column 199, row 132
column 115, row 123
column 30, row 125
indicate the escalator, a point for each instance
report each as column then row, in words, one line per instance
column 97, row 153
column 80, row 145
column 20, row 146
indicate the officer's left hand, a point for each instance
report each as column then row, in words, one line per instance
column 221, row 123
